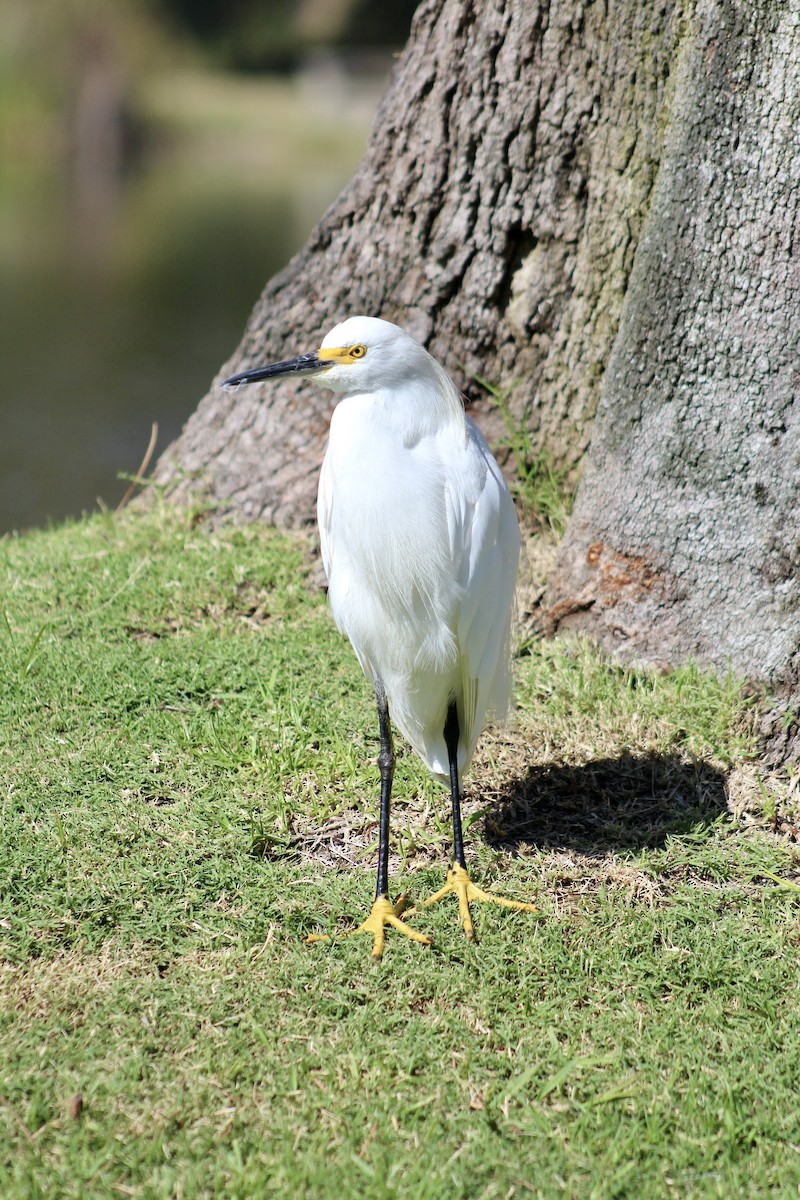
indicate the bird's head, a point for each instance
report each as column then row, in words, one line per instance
column 362, row 354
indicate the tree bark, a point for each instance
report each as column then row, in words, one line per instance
column 685, row 537
column 495, row 216
column 590, row 205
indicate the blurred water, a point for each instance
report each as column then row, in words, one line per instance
column 116, row 311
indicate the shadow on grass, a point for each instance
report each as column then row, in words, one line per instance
column 608, row 804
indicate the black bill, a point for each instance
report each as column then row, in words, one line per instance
column 304, row 364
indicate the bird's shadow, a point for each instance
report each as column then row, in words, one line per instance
column 623, row 804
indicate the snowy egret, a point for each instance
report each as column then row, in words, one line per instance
column 420, row 544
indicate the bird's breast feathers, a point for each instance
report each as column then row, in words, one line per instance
column 405, row 529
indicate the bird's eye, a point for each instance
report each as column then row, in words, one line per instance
column 358, row 351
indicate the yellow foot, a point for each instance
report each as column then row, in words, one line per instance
column 458, row 881
column 382, row 913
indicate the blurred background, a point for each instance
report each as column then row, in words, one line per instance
column 159, row 161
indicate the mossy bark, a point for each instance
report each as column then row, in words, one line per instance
column 685, row 538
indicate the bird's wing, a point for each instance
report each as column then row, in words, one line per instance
column 485, row 543
column 325, row 515
column 330, row 550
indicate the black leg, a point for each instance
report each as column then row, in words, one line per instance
column 386, row 764
column 451, row 741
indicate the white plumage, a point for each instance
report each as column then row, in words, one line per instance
column 421, row 545
column 419, row 539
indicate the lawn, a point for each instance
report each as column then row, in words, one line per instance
column 188, row 784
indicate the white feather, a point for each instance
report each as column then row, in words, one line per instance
column 419, row 538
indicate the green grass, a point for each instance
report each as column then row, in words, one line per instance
column 186, row 746
column 541, row 489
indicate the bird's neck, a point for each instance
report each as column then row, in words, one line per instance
column 420, row 410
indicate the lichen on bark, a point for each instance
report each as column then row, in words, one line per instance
column 695, row 459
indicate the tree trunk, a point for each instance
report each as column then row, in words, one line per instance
column 495, row 216
column 685, row 538
column 585, row 204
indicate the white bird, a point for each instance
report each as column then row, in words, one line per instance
column 420, row 544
